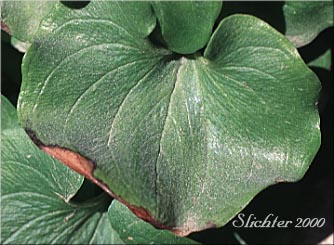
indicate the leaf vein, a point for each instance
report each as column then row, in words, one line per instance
column 90, row 87
column 47, row 79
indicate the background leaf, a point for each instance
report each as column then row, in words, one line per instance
column 188, row 140
column 268, row 11
column 19, row 45
column 23, row 17
column 36, row 192
column 186, row 26
column 8, row 115
column 305, row 20
column 324, row 61
column 133, row 230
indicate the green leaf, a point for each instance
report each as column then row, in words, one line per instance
column 186, row 26
column 19, row 45
column 23, row 17
column 323, row 61
column 306, row 19
column 8, row 115
column 36, row 192
column 133, row 230
column 189, row 141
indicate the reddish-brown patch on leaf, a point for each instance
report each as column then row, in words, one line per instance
column 86, row 167
column 5, row 28
column 191, row 226
column 71, row 159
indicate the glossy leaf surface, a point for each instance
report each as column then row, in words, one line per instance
column 189, row 140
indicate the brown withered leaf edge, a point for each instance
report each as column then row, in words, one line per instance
column 86, row 167
column 5, row 28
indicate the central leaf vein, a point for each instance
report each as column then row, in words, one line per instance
column 125, row 99
column 169, row 113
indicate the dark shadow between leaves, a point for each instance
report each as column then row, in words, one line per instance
column 87, row 192
column 10, row 69
column 270, row 12
column 75, row 4
column 318, row 46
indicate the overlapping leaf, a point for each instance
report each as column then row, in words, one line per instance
column 19, row 45
column 190, row 140
column 133, row 230
column 35, row 200
column 36, row 192
column 305, row 20
column 323, row 61
column 22, row 18
column 186, row 26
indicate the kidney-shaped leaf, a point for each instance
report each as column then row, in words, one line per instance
column 35, row 194
column 189, row 141
column 306, row 19
column 186, row 26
